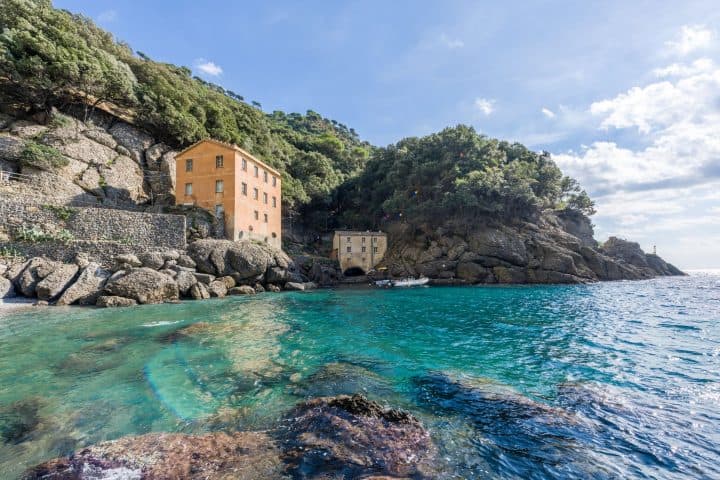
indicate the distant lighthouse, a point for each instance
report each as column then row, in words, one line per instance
column 654, row 249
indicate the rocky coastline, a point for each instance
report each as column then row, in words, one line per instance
column 107, row 161
column 554, row 247
column 209, row 268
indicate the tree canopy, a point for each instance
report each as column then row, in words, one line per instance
column 456, row 173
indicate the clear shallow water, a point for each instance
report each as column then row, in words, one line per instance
column 602, row 381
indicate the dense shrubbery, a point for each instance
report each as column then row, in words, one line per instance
column 51, row 57
column 43, row 157
column 456, row 173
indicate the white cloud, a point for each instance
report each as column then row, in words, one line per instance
column 689, row 100
column 548, row 113
column 208, row 67
column 485, row 106
column 691, row 38
column 451, row 43
column 668, row 185
column 682, row 70
column 107, row 16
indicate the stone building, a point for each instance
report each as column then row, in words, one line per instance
column 237, row 187
column 358, row 252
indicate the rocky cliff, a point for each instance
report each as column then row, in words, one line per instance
column 101, row 160
column 553, row 248
column 58, row 159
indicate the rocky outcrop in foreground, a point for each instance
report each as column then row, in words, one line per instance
column 554, row 248
column 339, row 437
column 210, row 268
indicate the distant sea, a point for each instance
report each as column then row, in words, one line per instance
column 610, row 380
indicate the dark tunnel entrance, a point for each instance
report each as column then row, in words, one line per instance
column 354, row 272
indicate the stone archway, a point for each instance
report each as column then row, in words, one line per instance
column 354, row 272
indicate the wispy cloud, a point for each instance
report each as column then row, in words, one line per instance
column 691, row 38
column 451, row 43
column 548, row 113
column 108, row 16
column 207, row 67
column 485, row 106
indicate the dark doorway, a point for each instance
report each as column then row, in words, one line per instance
column 354, row 272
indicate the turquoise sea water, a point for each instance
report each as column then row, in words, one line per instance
column 612, row 380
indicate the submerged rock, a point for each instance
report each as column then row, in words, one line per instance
column 19, row 420
column 353, row 437
column 338, row 437
column 518, row 433
column 483, row 400
column 214, row 456
column 339, row 378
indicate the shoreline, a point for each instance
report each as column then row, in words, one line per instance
column 19, row 303
column 15, row 304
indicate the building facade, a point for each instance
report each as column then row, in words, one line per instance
column 358, row 252
column 236, row 187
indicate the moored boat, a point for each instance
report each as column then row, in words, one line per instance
column 410, row 282
column 402, row 282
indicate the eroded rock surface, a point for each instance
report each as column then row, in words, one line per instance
column 554, row 248
column 143, row 285
column 337, row 437
column 353, row 437
column 170, row 456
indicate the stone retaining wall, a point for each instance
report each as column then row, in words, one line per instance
column 100, row 252
column 99, row 232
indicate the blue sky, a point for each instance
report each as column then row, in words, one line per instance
column 625, row 94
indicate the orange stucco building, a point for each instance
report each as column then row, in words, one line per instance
column 233, row 185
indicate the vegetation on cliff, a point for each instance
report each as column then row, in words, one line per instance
column 50, row 57
column 457, row 172
column 53, row 58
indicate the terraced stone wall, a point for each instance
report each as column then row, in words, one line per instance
column 60, row 231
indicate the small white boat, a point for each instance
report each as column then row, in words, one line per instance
column 410, row 282
column 383, row 283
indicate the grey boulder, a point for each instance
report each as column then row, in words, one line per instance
column 242, row 290
column 109, row 301
column 185, row 280
column 6, row 288
column 87, row 287
column 217, row 289
column 199, row 291
column 144, row 285
column 36, row 270
column 56, row 282
column 152, row 260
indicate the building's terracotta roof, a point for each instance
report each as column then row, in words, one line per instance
column 233, row 147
